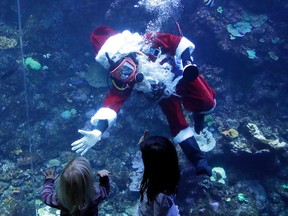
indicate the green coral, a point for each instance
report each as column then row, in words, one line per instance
column 73, row 111
column 33, row 64
column 208, row 120
column 48, row 211
column 251, row 53
column 54, row 163
column 231, row 133
column 273, row 56
column 38, row 202
column 239, row 29
column 220, row 10
column 275, row 40
column 67, row 114
column 218, row 175
column 248, row 22
column 241, row 198
column 255, row 20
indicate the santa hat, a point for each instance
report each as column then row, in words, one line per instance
column 99, row 36
column 107, row 41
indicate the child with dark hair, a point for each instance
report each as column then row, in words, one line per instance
column 160, row 177
column 75, row 193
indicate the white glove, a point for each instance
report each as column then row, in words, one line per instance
column 88, row 141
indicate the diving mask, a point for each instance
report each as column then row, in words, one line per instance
column 125, row 71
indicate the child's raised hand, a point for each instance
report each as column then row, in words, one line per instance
column 50, row 174
column 103, row 173
column 143, row 137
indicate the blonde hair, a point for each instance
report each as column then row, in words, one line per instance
column 75, row 187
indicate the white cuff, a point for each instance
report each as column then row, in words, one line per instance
column 211, row 110
column 183, row 135
column 183, row 45
column 104, row 114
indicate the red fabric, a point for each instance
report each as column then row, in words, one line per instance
column 197, row 96
column 100, row 35
column 168, row 42
column 172, row 109
column 116, row 98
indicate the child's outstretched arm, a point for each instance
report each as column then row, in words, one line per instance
column 47, row 194
column 104, row 185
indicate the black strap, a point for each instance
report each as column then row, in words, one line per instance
column 102, row 125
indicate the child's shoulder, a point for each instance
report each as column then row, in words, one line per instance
column 163, row 197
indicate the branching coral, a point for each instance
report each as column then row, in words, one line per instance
column 7, row 43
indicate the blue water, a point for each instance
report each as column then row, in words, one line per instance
column 248, row 73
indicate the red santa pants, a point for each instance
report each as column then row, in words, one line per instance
column 196, row 96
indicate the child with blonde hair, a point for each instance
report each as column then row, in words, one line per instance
column 75, row 193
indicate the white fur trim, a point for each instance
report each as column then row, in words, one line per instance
column 119, row 46
column 102, row 114
column 183, row 135
column 183, row 45
column 211, row 110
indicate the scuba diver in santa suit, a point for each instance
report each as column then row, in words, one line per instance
column 161, row 66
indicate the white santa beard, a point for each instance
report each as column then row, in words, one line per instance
column 155, row 73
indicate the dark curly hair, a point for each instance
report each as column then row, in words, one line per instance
column 161, row 167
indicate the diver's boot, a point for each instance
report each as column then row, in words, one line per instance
column 196, row 156
column 190, row 71
column 198, row 122
column 185, row 138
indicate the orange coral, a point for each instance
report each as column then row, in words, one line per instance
column 230, row 133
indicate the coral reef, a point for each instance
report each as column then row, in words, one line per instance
column 246, row 134
column 205, row 140
column 136, row 174
column 257, row 134
column 218, row 175
column 7, row 43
